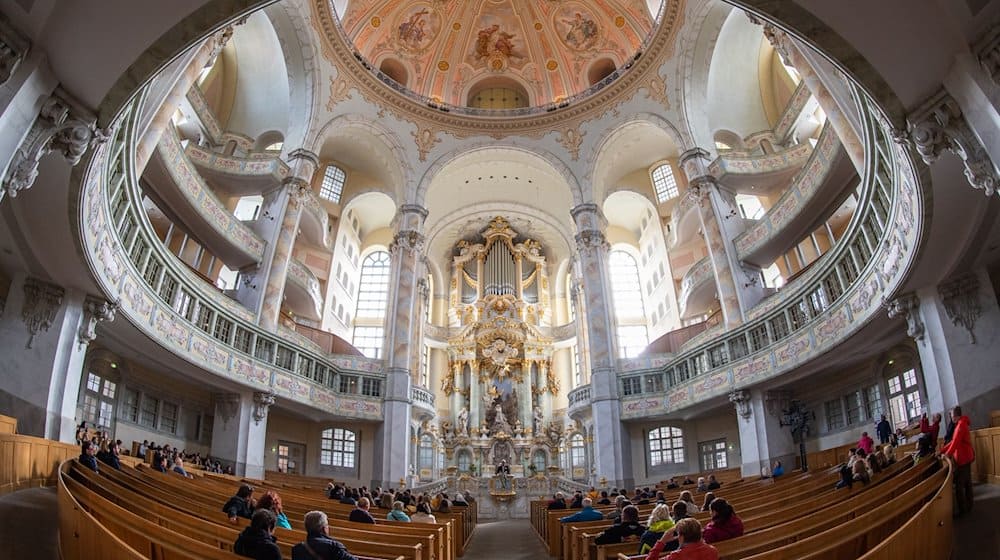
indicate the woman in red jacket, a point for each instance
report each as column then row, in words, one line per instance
column 724, row 524
column 960, row 451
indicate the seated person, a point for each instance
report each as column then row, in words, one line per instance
column 725, row 524
column 459, row 500
column 318, row 544
column 397, row 513
column 709, row 496
column 348, row 498
column 87, row 452
column 160, row 462
column 423, row 514
column 713, row 484
column 846, row 477
column 240, row 505
column 672, row 484
column 924, row 448
column 659, row 523
column 688, row 500
column 360, row 513
column 558, row 502
column 687, row 481
column 577, row 501
column 179, row 467
column 873, row 465
column 628, row 530
column 270, row 500
column 661, row 498
column 257, row 540
column 592, row 494
column 605, row 500
column 778, row 469
column 702, row 485
column 588, row 513
column 860, row 472
column 616, row 514
column 691, row 546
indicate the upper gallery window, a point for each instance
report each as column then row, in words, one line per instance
column 664, row 182
column 333, row 183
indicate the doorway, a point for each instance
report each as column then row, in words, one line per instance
column 291, row 457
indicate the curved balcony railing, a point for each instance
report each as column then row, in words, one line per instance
column 793, row 109
column 687, row 203
column 579, row 400
column 316, row 224
column 695, row 277
column 557, row 333
column 173, row 177
column 423, row 400
column 157, row 296
column 238, row 175
column 820, row 310
column 302, row 278
column 735, row 164
column 205, row 114
column 804, row 189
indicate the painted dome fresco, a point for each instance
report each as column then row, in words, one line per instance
column 498, row 54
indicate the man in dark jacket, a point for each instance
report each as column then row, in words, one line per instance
column 318, row 544
column 558, row 502
column 360, row 513
column 628, row 530
column 257, row 540
column 240, row 505
column 87, row 452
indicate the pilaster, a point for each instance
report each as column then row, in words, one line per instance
column 763, row 439
column 238, row 434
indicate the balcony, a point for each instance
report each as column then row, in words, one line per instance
column 238, row 176
column 697, row 289
column 302, row 293
column 315, row 222
column 423, row 403
column 684, row 221
column 759, row 174
column 178, row 186
column 579, row 402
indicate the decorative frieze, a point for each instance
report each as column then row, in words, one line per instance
column 95, row 310
column 939, row 125
column 262, row 401
column 41, row 303
column 62, row 126
column 960, row 298
column 741, row 399
column 907, row 306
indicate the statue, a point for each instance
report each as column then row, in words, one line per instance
column 498, row 353
column 463, row 422
column 538, row 419
column 503, row 474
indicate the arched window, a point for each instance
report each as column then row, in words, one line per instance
column 666, row 446
column 333, row 183
column 664, row 183
column 577, row 452
column 373, row 296
column 337, row 448
column 629, row 309
column 425, row 459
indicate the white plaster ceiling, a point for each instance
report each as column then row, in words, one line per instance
column 375, row 210
column 626, row 209
column 634, row 146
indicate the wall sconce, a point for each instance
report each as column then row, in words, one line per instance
column 267, row 214
column 731, row 214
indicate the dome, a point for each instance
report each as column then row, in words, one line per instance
column 498, row 54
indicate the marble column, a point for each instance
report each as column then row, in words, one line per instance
column 44, row 331
column 238, row 434
column 730, row 282
column 183, row 81
column 612, row 457
column 762, row 438
column 958, row 328
column 829, row 89
column 295, row 188
column 401, row 329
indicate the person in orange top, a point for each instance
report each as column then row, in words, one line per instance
column 959, row 450
column 691, row 546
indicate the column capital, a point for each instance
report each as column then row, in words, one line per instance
column 262, row 401
column 42, row 301
column 591, row 240
column 95, row 310
column 960, row 298
column 907, row 306
column 938, row 125
column 741, row 398
column 407, row 240
column 307, row 155
column 694, row 163
column 588, row 216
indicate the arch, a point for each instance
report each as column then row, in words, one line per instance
column 557, row 164
column 600, row 69
column 727, row 138
column 267, row 139
column 607, row 153
column 395, row 69
column 486, row 79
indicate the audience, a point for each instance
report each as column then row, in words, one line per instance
column 688, row 500
column 702, row 486
column 423, row 514
column 558, row 502
column 577, row 501
column 87, row 452
column 257, row 540
column 777, row 470
column 179, row 467
column 360, row 513
column 615, row 515
column 659, row 523
column 713, row 484
column 397, row 513
column 240, row 505
column 160, row 462
column 318, row 544
column 691, row 546
column 272, row 501
column 725, row 524
column 709, row 496
column 588, row 513
column 672, row 484
column 860, row 472
column 628, row 530
column 604, row 501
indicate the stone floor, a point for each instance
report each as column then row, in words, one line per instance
column 977, row 535
column 507, row 540
column 30, row 527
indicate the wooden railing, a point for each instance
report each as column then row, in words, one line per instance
column 29, row 462
column 672, row 341
column 329, row 342
column 986, row 468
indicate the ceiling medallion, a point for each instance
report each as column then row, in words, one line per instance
column 443, row 65
column 551, row 65
column 376, row 21
column 619, row 21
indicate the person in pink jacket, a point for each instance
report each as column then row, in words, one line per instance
column 692, row 547
column 724, row 524
column 867, row 443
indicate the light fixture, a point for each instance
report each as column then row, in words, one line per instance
column 892, row 362
column 114, row 365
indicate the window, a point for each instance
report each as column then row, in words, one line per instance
column 425, row 452
column 348, row 384
column 538, row 459
column 333, row 183
column 371, row 387
column 631, row 386
column 905, row 403
column 464, row 461
column 713, row 455
column 373, row 297
column 99, row 400
column 577, row 452
column 168, row 418
column 666, row 445
column 664, row 183
column 629, row 308
column 834, row 415
column 131, row 412
column 282, row 458
column 149, row 411
column 369, row 341
column 337, row 448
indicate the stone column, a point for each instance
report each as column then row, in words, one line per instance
column 612, row 457
column 959, row 324
column 762, row 438
column 295, row 188
column 44, row 331
column 829, row 89
column 730, row 282
column 183, row 81
column 238, row 434
column 401, row 329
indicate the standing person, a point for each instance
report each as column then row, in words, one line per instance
column 960, row 451
column 931, row 428
column 884, row 430
column 867, row 443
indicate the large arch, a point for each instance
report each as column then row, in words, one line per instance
column 387, row 161
column 633, row 144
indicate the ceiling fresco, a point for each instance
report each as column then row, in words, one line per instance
column 451, row 48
